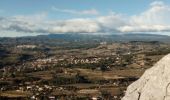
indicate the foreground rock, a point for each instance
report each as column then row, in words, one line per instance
column 154, row 83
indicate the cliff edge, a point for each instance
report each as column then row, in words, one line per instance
column 154, row 83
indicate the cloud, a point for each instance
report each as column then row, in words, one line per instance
column 33, row 26
column 26, row 24
column 39, row 24
column 76, row 26
column 111, row 22
column 157, row 3
column 155, row 19
column 76, row 12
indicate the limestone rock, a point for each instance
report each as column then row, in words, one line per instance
column 154, row 83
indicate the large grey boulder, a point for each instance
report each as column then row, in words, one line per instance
column 154, row 83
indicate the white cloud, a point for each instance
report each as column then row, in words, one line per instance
column 111, row 22
column 76, row 12
column 155, row 19
column 21, row 23
column 76, row 26
column 33, row 26
column 39, row 24
column 157, row 3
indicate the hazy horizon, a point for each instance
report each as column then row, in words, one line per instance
column 30, row 18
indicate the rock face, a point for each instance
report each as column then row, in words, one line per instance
column 154, row 83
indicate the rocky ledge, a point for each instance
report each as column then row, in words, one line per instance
column 154, row 83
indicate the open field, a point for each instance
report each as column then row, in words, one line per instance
column 103, row 71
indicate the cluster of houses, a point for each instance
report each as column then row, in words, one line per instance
column 88, row 60
column 41, row 64
column 117, row 59
column 26, row 46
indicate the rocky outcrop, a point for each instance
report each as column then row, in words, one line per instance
column 154, row 83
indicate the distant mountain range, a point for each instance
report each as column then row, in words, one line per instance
column 60, row 39
column 122, row 37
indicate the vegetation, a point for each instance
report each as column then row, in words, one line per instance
column 74, row 66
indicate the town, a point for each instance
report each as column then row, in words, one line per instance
column 95, row 73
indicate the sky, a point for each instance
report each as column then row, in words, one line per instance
column 35, row 17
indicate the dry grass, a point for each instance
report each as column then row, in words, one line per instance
column 42, row 74
column 113, row 74
column 14, row 94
